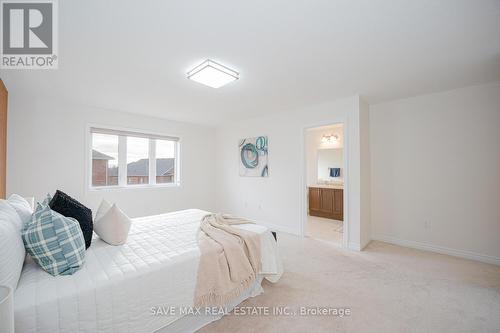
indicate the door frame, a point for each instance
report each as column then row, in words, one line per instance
column 303, row 181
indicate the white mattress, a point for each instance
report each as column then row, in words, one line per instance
column 118, row 285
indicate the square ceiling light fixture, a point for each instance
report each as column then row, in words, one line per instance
column 212, row 74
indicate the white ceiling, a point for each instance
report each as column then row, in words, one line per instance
column 133, row 55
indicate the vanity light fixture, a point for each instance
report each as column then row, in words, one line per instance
column 330, row 138
column 212, row 74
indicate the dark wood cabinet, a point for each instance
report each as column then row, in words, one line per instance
column 327, row 197
column 315, row 198
column 326, row 202
column 338, row 204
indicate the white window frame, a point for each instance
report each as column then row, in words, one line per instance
column 122, row 134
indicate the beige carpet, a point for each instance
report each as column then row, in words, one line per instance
column 388, row 289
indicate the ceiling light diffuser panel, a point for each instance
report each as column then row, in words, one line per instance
column 212, row 74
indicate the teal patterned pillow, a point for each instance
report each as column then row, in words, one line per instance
column 54, row 241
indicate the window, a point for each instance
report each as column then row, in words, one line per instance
column 104, row 159
column 165, row 161
column 137, row 160
column 128, row 159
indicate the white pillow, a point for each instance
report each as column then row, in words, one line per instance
column 103, row 209
column 22, row 207
column 12, row 252
column 31, row 202
column 111, row 224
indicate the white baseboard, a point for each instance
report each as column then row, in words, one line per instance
column 354, row 246
column 438, row 249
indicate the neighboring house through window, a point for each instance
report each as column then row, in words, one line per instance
column 138, row 171
column 122, row 158
column 101, row 175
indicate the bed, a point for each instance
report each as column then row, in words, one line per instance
column 129, row 288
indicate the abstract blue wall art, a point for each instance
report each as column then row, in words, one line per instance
column 253, row 153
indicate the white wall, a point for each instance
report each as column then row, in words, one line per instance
column 46, row 150
column 313, row 143
column 277, row 200
column 435, row 172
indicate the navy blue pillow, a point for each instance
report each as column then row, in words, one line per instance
column 69, row 207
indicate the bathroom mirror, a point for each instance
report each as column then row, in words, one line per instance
column 330, row 165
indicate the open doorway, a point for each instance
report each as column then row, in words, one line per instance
column 325, row 179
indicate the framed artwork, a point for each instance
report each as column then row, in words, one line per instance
column 253, row 156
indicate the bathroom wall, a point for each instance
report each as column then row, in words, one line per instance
column 314, row 142
column 330, row 158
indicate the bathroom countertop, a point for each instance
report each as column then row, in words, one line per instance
column 332, row 186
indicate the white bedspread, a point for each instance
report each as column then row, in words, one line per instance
column 118, row 285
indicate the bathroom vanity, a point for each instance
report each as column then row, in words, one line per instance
column 327, row 201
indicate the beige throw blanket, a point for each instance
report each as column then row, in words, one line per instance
column 230, row 260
